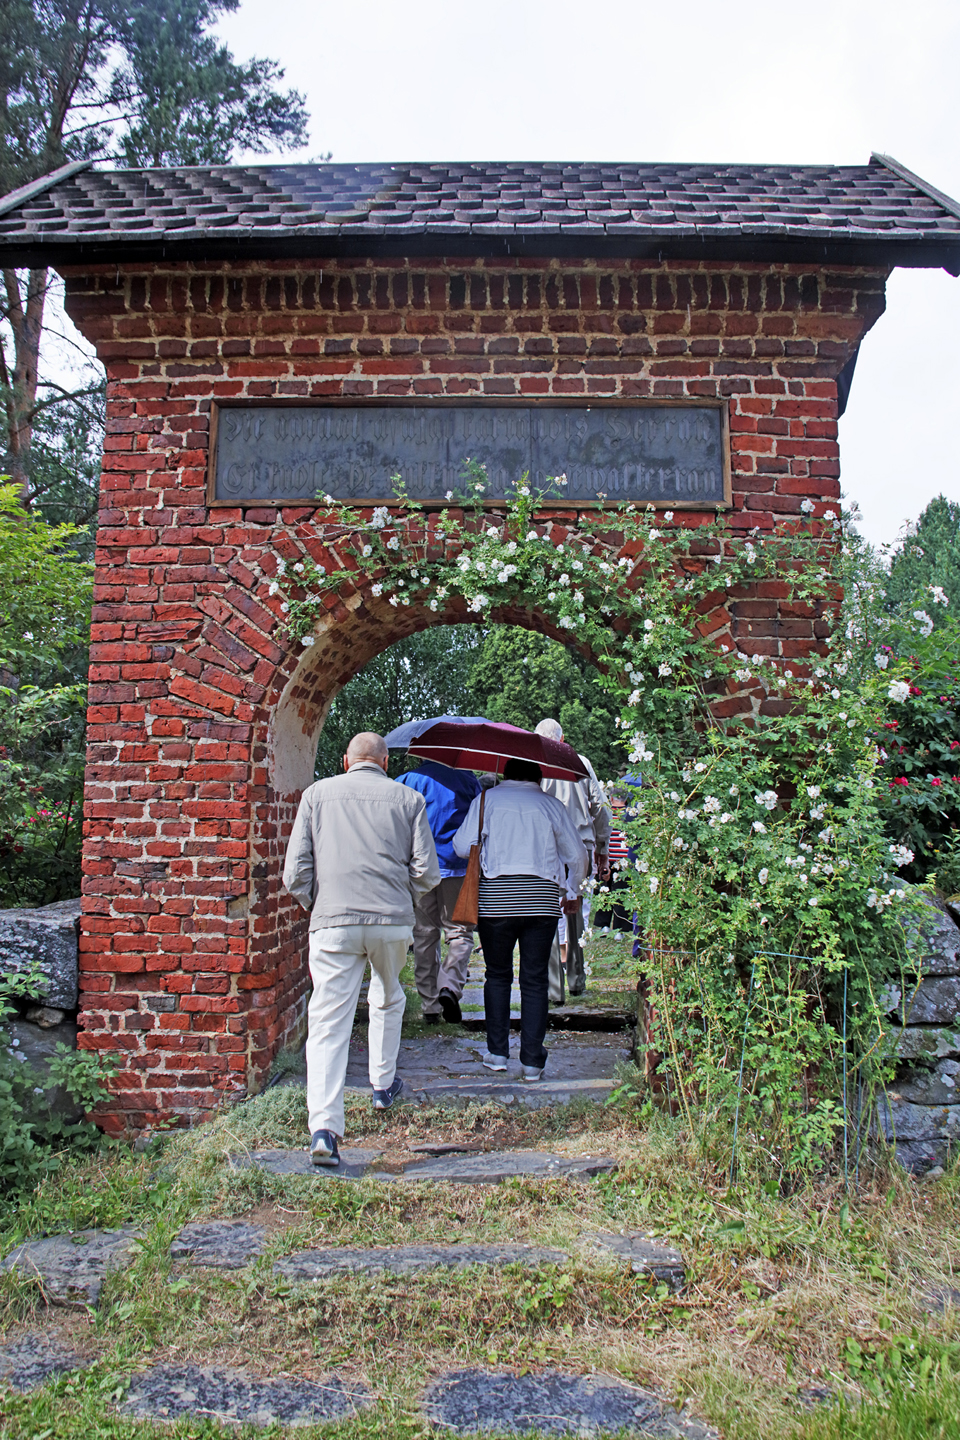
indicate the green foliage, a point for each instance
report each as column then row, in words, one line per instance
column 521, row 678
column 187, row 101
column 426, row 674
column 911, row 636
column 44, row 618
column 763, row 879
column 140, row 81
column 65, row 457
column 34, row 1136
column 919, row 747
column 929, row 556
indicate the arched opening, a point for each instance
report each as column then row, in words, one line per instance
column 357, row 630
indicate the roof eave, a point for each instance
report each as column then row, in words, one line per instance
column 936, row 253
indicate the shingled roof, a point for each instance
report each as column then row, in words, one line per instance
column 879, row 213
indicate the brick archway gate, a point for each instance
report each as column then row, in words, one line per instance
column 746, row 287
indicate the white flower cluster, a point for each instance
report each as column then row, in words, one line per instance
column 940, row 595
column 881, row 900
column 902, row 855
column 899, row 690
column 639, row 750
column 380, row 517
column 768, row 799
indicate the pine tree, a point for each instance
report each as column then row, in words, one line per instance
column 174, row 96
column 929, row 557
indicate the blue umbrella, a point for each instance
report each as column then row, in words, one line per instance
column 400, row 738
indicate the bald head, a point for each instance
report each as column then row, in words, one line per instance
column 367, row 746
column 550, row 730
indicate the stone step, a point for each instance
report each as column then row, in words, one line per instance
column 166, row 1392
column 71, row 1269
column 234, row 1244
column 447, row 1069
column 554, row 1402
column 33, row 1358
column 488, row 1168
column 411, row 1259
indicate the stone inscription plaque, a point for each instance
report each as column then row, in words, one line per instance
column 667, row 454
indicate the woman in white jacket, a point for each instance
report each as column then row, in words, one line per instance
column 532, row 863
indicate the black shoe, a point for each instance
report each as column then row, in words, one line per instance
column 431, row 1019
column 450, row 1006
column 383, row 1099
column 323, row 1148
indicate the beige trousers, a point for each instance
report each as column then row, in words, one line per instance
column 431, row 918
column 338, row 959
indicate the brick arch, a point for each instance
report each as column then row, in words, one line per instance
column 286, row 732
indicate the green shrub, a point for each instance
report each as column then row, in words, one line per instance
column 45, row 593
column 33, row 1137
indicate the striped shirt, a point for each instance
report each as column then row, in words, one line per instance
column 504, row 896
column 617, row 850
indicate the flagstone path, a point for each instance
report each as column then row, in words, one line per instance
column 440, row 1067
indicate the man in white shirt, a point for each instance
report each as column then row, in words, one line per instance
column 587, row 807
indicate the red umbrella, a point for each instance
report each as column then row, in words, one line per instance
column 489, row 746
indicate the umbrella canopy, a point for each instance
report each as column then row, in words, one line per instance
column 487, row 746
column 400, row 738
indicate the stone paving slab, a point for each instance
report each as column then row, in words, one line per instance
column 165, row 1392
column 354, row 1164
column 31, row 1359
column 553, row 1403
column 644, row 1256
column 485, row 1169
column 70, row 1269
column 411, row 1259
column 447, row 1069
column 225, row 1244
column 495, row 1166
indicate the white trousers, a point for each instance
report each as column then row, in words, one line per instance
column 338, row 959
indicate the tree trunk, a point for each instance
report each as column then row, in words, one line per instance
column 24, row 313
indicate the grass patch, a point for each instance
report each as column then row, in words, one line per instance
column 786, row 1294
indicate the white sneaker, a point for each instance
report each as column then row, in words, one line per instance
column 495, row 1062
column 532, row 1072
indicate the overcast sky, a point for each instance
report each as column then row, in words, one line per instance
column 634, row 80
column 642, row 80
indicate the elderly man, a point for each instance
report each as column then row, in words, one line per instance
column 360, row 856
column 587, row 807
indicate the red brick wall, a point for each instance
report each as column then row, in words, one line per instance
column 203, row 721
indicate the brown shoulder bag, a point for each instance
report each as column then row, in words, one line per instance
column 466, row 910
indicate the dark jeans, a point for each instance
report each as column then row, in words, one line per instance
column 497, row 938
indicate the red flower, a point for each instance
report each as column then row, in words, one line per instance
column 936, row 782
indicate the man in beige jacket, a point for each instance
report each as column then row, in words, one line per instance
column 360, row 856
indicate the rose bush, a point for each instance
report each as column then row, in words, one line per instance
column 765, row 887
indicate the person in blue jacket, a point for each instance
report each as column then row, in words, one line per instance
column 440, row 983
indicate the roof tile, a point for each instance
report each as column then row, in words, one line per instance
column 381, row 204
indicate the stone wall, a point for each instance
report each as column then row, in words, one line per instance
column 921, row 1112
column 203, row 722
column 42, row 944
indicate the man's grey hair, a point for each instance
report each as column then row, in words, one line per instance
column 550, row 729
column 367, row 746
